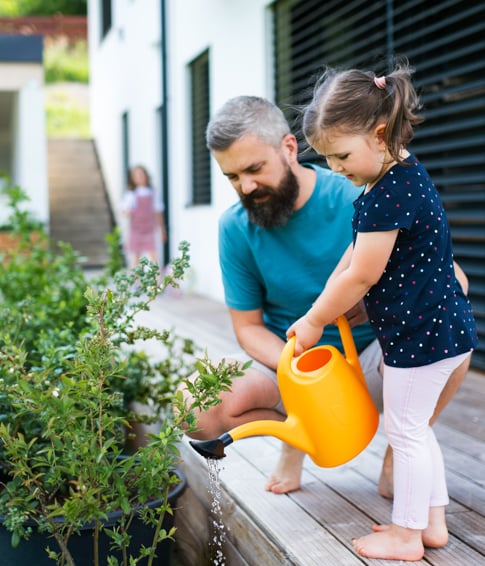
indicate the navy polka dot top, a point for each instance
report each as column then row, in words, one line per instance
column 417, row 309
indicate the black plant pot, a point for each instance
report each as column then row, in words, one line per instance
column 32, row 552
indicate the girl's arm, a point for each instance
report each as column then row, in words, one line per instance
column 356, row 314
column 345, row 288
column 343, row 263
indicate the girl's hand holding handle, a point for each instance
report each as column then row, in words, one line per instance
column 307, row 333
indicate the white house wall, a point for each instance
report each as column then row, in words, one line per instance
column 126, row 75
column 25, row 142
column 235, row 33
column 30, row 165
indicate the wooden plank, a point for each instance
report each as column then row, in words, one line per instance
column 192, row 535
column 296, row 538
column 370, row 466
column 243, row 531
column 332, row 496
column 335, row 513
column 460, row 441
column 465, row 412
column 465, row 474
column 206, row 323
column 347, row 481
column 379, row 509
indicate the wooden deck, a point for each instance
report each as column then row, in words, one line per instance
column 315, row 525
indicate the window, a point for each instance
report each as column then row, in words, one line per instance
column 106, row 17
column 310, row 34
column 201, row 164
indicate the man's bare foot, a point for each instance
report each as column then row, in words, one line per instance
column 435, row 535
column 385, row 487
column 391, row 543
column 287, row 475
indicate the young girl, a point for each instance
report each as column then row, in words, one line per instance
column 401, row 264
column 145, row 216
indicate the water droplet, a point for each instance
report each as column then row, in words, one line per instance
column 219, row 529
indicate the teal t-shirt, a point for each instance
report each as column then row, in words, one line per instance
column 282, row 270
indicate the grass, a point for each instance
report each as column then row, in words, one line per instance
column 67, row 122
column 66, row 72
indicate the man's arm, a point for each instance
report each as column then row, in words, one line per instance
column 254, row 337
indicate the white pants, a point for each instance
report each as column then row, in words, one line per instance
column 410, row 397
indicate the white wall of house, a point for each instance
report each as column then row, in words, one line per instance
column 23, row 138
column 126, row 76
column 125, row 71
column 235, row 33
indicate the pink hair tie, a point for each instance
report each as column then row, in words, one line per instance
column 380, row 82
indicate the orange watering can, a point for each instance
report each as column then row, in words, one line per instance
column 331, row 415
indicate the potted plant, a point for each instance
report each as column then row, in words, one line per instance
column 70, row 366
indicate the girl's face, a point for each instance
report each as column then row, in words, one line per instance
column 363, row 159
column 139, row 177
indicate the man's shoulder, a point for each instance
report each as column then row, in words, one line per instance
column 327, row 175
column 333, row 184
column 234, row 210
column 234, row 217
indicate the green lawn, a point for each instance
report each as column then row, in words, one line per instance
column 66, row 73
column 67, row 111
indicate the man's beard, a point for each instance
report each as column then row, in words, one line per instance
column 278, row 206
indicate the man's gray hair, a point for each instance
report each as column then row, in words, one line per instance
column 244, row 115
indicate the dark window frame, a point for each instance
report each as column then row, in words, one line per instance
column 201, row 192
column 106, row 17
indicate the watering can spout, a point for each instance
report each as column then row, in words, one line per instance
column 288, row 431
column 212, row 449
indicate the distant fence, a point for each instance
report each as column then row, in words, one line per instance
column 71, row 27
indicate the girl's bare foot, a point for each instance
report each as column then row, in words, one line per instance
column 385, row 486
column 392, row 542
column 435, row 535
column 287, row 475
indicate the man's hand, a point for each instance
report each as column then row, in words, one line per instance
column 357, row 314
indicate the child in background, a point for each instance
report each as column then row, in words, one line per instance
column 401, row 264
column 145, row 215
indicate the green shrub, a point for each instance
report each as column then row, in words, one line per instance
column 70, row 362
column 44, row 310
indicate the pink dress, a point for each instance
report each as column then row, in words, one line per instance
column 141, row 235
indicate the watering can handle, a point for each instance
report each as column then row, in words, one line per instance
column 350, row 350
